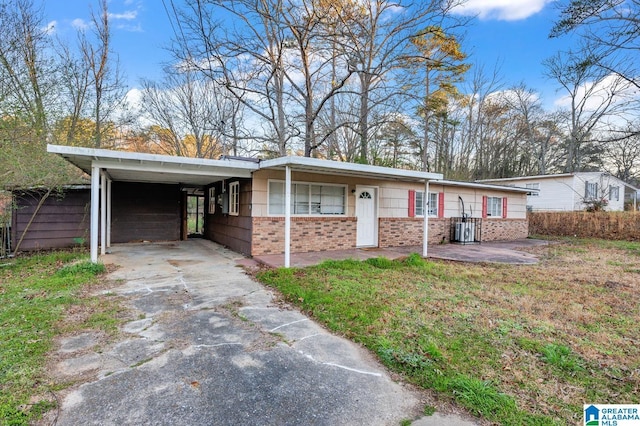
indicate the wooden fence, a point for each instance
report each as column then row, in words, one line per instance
column 607, row 225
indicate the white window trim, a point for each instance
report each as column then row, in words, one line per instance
column 346, row 198
column 490, row 216
column 588, row 195
column 611, row 188
column 533, row 185
column 427, row 206
column 234, row 199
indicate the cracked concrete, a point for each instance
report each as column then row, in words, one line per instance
column 213, row 347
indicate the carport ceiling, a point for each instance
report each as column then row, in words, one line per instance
column 137, row 167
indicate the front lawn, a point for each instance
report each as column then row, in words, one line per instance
column 513, row 344
column 36, row 294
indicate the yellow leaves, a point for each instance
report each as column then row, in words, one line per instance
column 81, row 132
column 438, row 48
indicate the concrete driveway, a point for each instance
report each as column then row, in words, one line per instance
column 212, row 346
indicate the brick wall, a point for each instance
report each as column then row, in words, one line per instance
column 504, row 229
column 322, row 234
column 396, row 232
column 307, row 234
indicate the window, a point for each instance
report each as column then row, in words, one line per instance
column 494, row 206
column 212, row 200
column 590, row 190
column 234, row 198
column 533, row 186
column 432, row 207
column 308, row 199
column 614, row 193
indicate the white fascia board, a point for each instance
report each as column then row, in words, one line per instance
column 354, row 168
column 483, row 186
column 526, row 177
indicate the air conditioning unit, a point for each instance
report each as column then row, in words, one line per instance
column 465, row 232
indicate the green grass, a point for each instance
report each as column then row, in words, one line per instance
column 35, row 293
column 516, row 345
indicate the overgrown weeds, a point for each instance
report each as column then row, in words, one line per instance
column 513, row 344
column 36, row 292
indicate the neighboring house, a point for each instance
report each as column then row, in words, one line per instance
column 571, row 191
column 333, row 205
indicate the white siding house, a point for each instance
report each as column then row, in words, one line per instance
column 570, row 191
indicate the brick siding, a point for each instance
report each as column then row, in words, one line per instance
column 323, row 234
column 307, row 234
column 504, row 229
column 397, row 232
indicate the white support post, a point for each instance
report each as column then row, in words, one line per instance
column 95, row 209
column 108, row 212
column 103, row 214
column 287, row 217
column 425, row 223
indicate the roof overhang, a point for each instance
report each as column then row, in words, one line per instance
column 314, row 165
column 139, row 167
column 477, row 185
column 153, row 168
column 554, row 176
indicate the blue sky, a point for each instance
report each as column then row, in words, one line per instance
column 509, row 34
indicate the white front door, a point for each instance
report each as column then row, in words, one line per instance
column 366, row 213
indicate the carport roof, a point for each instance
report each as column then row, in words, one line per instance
column 140, row 167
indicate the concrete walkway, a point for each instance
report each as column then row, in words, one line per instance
column 211, row 346
column 492, row 252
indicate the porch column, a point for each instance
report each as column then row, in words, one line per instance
column 103, row 214
column 287, row 217
column 108, row 212
column 425, row 223
column 95, row 208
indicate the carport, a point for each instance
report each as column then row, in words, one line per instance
column 106, row 167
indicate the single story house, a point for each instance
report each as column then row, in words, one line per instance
column 571, row 191
column 288, row 204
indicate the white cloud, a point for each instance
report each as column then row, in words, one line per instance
column 50, row 28
column 502, row 10
column 128, row 15
column 599, row 92
column 79, row 24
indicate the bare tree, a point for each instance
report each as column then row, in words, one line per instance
column 594, row 96
column 26, row 72
column 624, row 157
column 378, row 39
column 107, row 96
column 192, row 110
column 75, row 81
column 608, row 26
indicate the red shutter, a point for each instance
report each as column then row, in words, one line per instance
column 440, row 204
column 484, row 206
column 504, row 208
column 412, row 203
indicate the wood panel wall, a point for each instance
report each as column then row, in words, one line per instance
column 62, row 221
column 231, row 231
column 145, row 212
